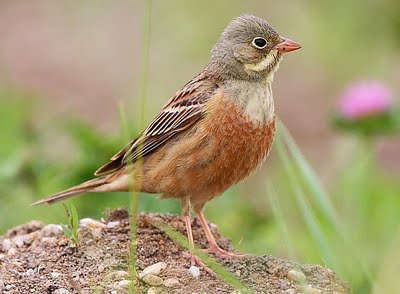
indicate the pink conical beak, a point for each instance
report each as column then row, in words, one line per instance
column 287, row 45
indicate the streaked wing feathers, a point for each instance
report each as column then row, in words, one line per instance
column 181, row 112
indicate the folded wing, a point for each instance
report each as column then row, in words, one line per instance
column 180, row 113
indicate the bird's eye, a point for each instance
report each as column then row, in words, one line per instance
column 259, row 43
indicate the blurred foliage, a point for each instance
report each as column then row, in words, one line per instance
column 387, row 123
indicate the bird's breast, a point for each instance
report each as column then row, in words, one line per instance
column 223, row 148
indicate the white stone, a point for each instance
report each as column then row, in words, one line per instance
column 30, row 273
column 61, row 291
column 296, row 276
column 153, row 290
column 9, row 287
column 52, row 230
column 19, row 240
column 154, row 269
column 55, row 275
column 118, row 275
column 7, row 244
column 194, row 271
column 91, row 223
column 112, row 225
column 124, row 284
column 12, row 251
column 152, row 280
column 171, row 283
column 311, row 290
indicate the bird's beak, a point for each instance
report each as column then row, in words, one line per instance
column 287, row 45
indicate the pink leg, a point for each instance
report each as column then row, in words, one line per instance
column 190, row 237
column 213, row 246
column 194, row 260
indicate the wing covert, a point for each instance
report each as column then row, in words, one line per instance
column 180, row 113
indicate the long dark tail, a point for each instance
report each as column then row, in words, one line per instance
column 94, row 185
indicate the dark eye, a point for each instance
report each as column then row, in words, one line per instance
column 259, row 43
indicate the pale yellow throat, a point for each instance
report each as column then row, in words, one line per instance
column 263, row 64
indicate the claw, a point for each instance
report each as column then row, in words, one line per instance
column 221, row 253
column 196, row 261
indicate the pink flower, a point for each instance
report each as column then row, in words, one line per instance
column 365, row 98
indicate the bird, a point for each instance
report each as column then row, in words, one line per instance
column 213, row 133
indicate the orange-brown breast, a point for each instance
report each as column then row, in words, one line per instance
column 220, row 150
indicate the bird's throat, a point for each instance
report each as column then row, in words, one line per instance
column 255, row 99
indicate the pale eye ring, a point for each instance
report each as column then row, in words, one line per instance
column 259, row 42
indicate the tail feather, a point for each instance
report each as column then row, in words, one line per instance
column 85, row 187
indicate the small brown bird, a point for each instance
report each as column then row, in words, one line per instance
column 212, row 134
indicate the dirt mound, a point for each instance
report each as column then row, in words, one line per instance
column 39, row 259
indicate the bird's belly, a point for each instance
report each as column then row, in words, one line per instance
column 221, row 150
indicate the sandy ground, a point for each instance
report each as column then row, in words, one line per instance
column 35, row 258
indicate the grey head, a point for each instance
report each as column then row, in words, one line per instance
column 248, row 49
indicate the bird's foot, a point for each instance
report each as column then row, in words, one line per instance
column 221, row 253
column 196, row 261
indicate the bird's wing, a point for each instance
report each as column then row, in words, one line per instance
column 180, row 112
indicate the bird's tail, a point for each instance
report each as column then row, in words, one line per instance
column 102, row 184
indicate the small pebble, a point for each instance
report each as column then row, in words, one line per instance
column 30, row 273
column 112, row 225
column 194, row 271
column 311, row 290
column 154, row 269
column 19, row 240
column 52, row 230
column 50, row 240
column 55, row 275
column 118, row 275
column 12, row 251
column 152, row 280
column 8, row 287
column 296, row 276
column 100, row 268
column 61, row 291
column 124, row 284
column 91, row 223
column 171, row 283
column 153, row 290
column 6, row 244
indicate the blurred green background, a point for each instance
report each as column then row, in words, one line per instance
column 69, row 76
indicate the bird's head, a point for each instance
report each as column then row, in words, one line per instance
column 249, row 49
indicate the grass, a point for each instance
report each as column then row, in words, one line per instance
column 71, row 228
column 142, row 93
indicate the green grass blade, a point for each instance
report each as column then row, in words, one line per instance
column 317, row 192
column 277, row 211
column 321, row 197
column 75, row 219
column 134, row 196
column 305, row 209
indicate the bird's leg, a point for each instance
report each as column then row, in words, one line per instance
column 213, row 246
column 194, row 260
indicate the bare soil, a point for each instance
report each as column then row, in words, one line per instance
column 39, row 259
